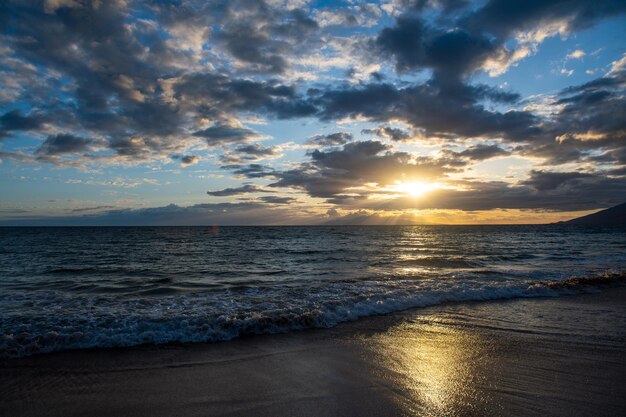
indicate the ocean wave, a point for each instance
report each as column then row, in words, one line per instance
column 43, row 321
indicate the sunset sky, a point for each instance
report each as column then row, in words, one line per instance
column 310, row 112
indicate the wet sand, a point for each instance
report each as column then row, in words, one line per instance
column 559, row 356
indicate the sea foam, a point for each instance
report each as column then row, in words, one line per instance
column 54, row 320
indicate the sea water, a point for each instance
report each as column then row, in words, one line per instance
column 81, row 287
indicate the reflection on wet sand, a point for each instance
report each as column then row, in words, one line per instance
column 437, row 367
column 537, row 357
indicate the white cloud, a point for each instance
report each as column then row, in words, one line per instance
column 528, row 44
column 577, row 54
column 618, row 65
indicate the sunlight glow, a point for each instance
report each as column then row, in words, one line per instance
column 414, row 188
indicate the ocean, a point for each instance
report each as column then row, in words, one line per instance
column 81, row 287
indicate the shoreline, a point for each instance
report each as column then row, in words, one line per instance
column 533, row 356
column 380, row 304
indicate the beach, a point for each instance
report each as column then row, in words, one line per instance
column 312, row 208
column 563, row 356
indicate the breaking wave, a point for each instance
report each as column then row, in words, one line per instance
column 52, row 320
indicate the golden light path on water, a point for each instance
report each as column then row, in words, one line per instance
column 438, row 366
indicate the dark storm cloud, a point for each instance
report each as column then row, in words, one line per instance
column 405, row 42
column 261, row 37
column 543, row 181
column 480, row 152
column 257, row 150
column 338, row 175
column 595, row 107
column 254, row 49
column 241, row 213
column 589, row 124
column 438, row 111
column 446, row 105
column 186, row 160
column 250, row 170
column 224, row 134
column 333, row 139
column 128, row 80
column 248, row 188
column 570, row 191
column 111, row 82
column 277, row 200
column 249, row 153
column 126, row 76
column 132, row 146
column 616, row 156
column 14, row 120
column 142, row 80
column 463, row 44
column 446, row 7
column 388, row 132
column 356, row 164
column 218, row 94
column 485, row 92
column 502, row 18
column 417, row 46
column 64, row 144
column 189, row 159
column 93, row 45
column 543, row 190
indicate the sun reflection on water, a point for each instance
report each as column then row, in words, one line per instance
column 438, row 367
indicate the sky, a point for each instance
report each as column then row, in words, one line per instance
column 251, row 112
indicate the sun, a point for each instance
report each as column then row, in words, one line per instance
column 414, row 188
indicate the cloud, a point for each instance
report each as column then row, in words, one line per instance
column 416, row 45
column 210, row 63
column 117, row 82
column 356, row 164
column 115, row 182
column 576, row 54
column 14, row 120
column 88, row 209
column 544, row 181
column 98, row 79
column 477, row 37
column 480, row 152
column 187, row 160
column 587, row 119
column 437, row 110
column 219, row 95
column 250, row 170
column 249, row 153
column 333, row 139
column 257, row 150
column 568, row 191
column 277, row 200
column 64, row 144
column 502, row 19
column 241, row 213
column 224, row 134
column 248, row 188
column 260, row 37
column 388, row 132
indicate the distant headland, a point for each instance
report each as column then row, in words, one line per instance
column 614, row 216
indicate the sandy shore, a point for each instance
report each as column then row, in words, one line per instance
column 560, row 357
